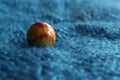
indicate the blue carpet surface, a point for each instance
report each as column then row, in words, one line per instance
column 87, row 45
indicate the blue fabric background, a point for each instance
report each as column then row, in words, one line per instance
column 87, row 45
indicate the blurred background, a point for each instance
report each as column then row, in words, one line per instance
column 87, row 45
